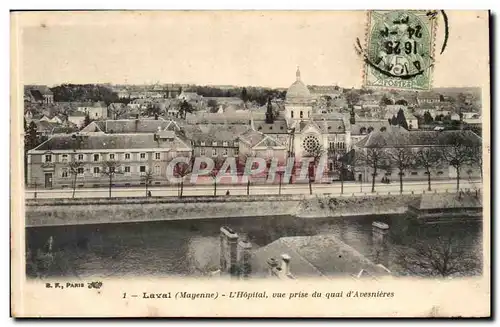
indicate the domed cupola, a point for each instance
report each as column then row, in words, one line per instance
column 298, row 91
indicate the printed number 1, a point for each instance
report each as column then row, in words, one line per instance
column 124, row 295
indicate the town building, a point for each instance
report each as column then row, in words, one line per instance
column 132, row 155
column 397, row 137
column 96, row 110
column 428, row 97
column 38, row 94
column 392, row 111
column 77, row 118
column 130, row 126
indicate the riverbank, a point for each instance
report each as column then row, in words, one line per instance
column 57, row 212
column 325, row 206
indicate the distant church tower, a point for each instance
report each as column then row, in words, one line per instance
column 269, row 112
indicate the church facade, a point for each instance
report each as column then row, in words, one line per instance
column 313, row 133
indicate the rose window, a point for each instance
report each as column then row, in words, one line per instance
column 310, row 144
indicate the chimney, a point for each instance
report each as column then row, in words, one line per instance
column 273, row 266
column 380, row 232
column 244, row 258
column 285, row 264
column 228, row 251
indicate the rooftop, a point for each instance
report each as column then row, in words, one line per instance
column 313, row 256
column 398, row 136
column 109, row 142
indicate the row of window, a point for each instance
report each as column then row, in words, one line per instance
column 225, row 152
column 98, row 157
column 413, row 173
column 337, row 145
column 214, row 143
column 127, row 170
column 301, row 114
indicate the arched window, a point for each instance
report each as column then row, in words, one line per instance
column 291, row 113
column 301, row 114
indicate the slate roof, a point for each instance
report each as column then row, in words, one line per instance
column 45, row 126
column 399, row 137
column 37, row 95
column 428, row 95
column 216, row 118
column 252, row 137
column 279, row 126
column 313, row 256
column 213, row 133
column 77, row 114
column 324, row 126
column 108, row 142
column 132, row 126
column 376, row 124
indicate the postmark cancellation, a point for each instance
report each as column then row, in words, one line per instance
column 399, row 49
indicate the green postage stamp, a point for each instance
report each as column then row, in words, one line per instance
column 399, row 49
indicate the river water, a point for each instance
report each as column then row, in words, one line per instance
column 192, row 247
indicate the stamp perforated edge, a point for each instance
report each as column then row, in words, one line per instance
column 365, row 68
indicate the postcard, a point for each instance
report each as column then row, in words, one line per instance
column 250, row 163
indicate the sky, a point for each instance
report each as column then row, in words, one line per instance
column 224, row 48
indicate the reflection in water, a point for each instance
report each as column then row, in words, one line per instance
column 192, row 247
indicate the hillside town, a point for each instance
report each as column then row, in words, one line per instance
column 79, row 136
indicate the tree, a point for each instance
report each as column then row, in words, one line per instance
column 185, row 107
column 110, row 169
column 428, row 118
column 244, row 95
column 148, row 179
column 218, row 163
column 428, row 158
column 444, row 256
column 384, row 101
column 402, row 102
column 340, row 162
column 477, row 158
column 352, row 97
column 280, row 174
column 328, row 101
column 181, row 170
column 316, row 155
column 439, row 117
column 376, row 158
column 459, row 153
column 86, row 120
column 401, row 119
column 461, row 98
column 73, row 167
column 152, row 110
column 402, row 158
column 31, row 140
column 213, row 105
column 116, row 110
column 243, row 160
